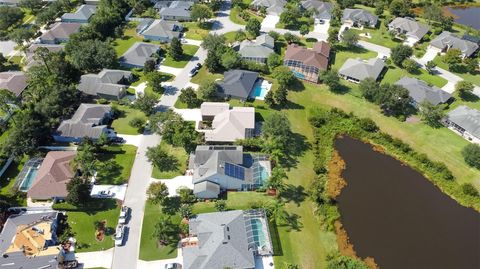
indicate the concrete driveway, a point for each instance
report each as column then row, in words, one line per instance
column 190, row 114
column 381, row 50
column 170, row 70
column 100, row 259
column 175, row 183
column 429, row 55
column 118, row 190
column 160, row 264
column 134, row 140
column 270, row 21
column 7, row 47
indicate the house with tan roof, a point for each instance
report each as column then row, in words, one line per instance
column 59, row 33
column 13, row 81
column 306, row 63
column 52, row 176
column 223, row 124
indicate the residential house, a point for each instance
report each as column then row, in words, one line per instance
column 82, row 15
column 177, row 11
column 221, row 168
column 465, row 121
column 229, row 239
column 159, row 4
column 356, row 70
column 28, row 241
column 321, row 10
column 237, row 84
column 273, row 7
column 88, row 121
column 138, row 54
column 53, row 176
column 159, row 30
column 306, row 63
column 225, row 124
column 29, row 59
column 257, row 50
column 413, row 30
column 420, row 92
column 59, row 32
column 446, row 41
column 13, row 81
column 359, row 18
column 109, row 84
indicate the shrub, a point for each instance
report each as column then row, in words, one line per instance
column 471, row 155
column 137, row 122
column 469, row 189
column 368, row 125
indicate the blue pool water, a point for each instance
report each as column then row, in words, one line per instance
column 258, row 91
column 258, row 235
column 28, row 180
column 263, row 174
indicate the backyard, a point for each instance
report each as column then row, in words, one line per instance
column 182, row 157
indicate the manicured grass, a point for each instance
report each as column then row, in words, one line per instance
column 121, row 45
column 235, row 16
column 149, row 248
column 82, row 223
column 182, row 158
column 121, row 124
column 235, row 200
column 343, row 54
column 123, row 156
column 379, row 36
column 473, row 78
column 395, row 73
column 13, row 197
column 204, row 75
column 301, row 21
column 194, row 31
column 188, row 52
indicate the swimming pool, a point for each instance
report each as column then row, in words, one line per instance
column 28, row 180
column 258, row 236
column 260, row 89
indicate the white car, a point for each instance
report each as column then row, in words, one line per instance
column 173, row 266
column 123, row 215
column 119, row 234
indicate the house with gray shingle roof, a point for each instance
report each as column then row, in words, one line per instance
column 229, row 239
column 465, row 121
column 321, row 10
column 138, row 54
column 13, row 81
column 159, row 30
column 237, row 84
column 447, row 40
column 88, row 121
column 82, row 15
column 108, row 84
column 420, row 92
column 273, row 7
column 177, row 11
column 29, row 59
column 359, row 17
column 409, row 27
column 356, row 70
column 59, row 32
column 225, row 166
column 258, row 50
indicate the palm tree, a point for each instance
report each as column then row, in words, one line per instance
column 276, row 179
column 163, row 230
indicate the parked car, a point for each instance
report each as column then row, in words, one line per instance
column 119, row 234
column 321, row 22
column 118, row 140
column 384, row 58
column 198, row 65
column 123, row 215
column 193, row 72
column 173, row 266
column 106, row 194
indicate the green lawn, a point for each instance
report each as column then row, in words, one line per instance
column 182, row 158
column 343, row 54
column 123, row 157
column 473, row 78
column 379, row 36
column 235, row 16
column 121, row 45
column 149, row 248
column 188, row 52
column 204, row 74
column 194, row 31
column 82, row 222
column 235, row 200
column 395, row 73
column 13, row 197
column 121, row 124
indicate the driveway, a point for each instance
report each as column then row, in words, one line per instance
column 429, row 55
column 161, row 263
column 190, row 114
column 381, row 50
column 134, row 140
column 270, row 21
column 222, row 23
column 175, row 183
column 117, row 190
column 95, row 259
column 170, row 70
column 7, row 48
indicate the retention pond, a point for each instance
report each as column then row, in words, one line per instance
column 395, row 215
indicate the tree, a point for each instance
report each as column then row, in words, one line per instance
column 137, row 122
column 446, row 23
column 154, row 80
column 291, row 38
column 344, row 262
column 410, row 65
column 453, row 58
column 7, row 101
column 284, row 75
column 91, row 55
column 274, row 35
column 213, row 42
column 280, row 95
column 230, row 59
column 430, row 67
column 394, row 99
column 22, row 34
column 471, row 155
column 207, row 90
column 333, row 35
column 165, row 230
column 213, row 61
column 349, row 38
column 78, row 191
column 331, row 79
column 186, row 195
column 240, row 35
column 33, row 5
column 157, row 192
column 189, row 97
column 10, row 16
column 149, row 66
column 290, row 18
column 220, row 205
column 186, row 210
column 174, row 130
column 161, row 159
column 3, row 62
column 469, row 189
column 175, row 50
column 269, row 100
column 464, row 88
column 471, row 65
column 253, row 26
column 431, row 114
column 201, row 12
column 276, row 179
column 304, row 29
column 379, row 8
column 400, row 53
column 273, row 61
column 369, row 89
column 276, row 132
column 146, row 103
column 85, row 159
column 432, row 12
column 399, row 8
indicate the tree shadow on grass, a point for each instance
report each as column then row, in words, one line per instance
column 275, row 236
column 108, row 172
column 298, row 144
column 469, row 97
column 171, row 205
column 292, row 222
column 295, row 194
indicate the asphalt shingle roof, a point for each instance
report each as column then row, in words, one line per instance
column 13, row 81
column 85, row 121
column 106, row 82
column 61, row 30
column 360, row 69
column 323, row 10
column 420, row 91
column 139, row 53
column 359, row 15
column 467, row 118
column 238, row 83
column 84, row 12
column 410, row 26
column 159, row 28
column 447, row 39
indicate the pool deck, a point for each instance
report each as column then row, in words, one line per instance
column 265, row 86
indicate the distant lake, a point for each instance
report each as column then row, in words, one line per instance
column 467, row 16
column 395, row 215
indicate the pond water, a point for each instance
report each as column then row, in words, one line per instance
column 395, row 215
column 467, row 16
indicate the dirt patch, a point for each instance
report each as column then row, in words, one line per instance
column 335, row 181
